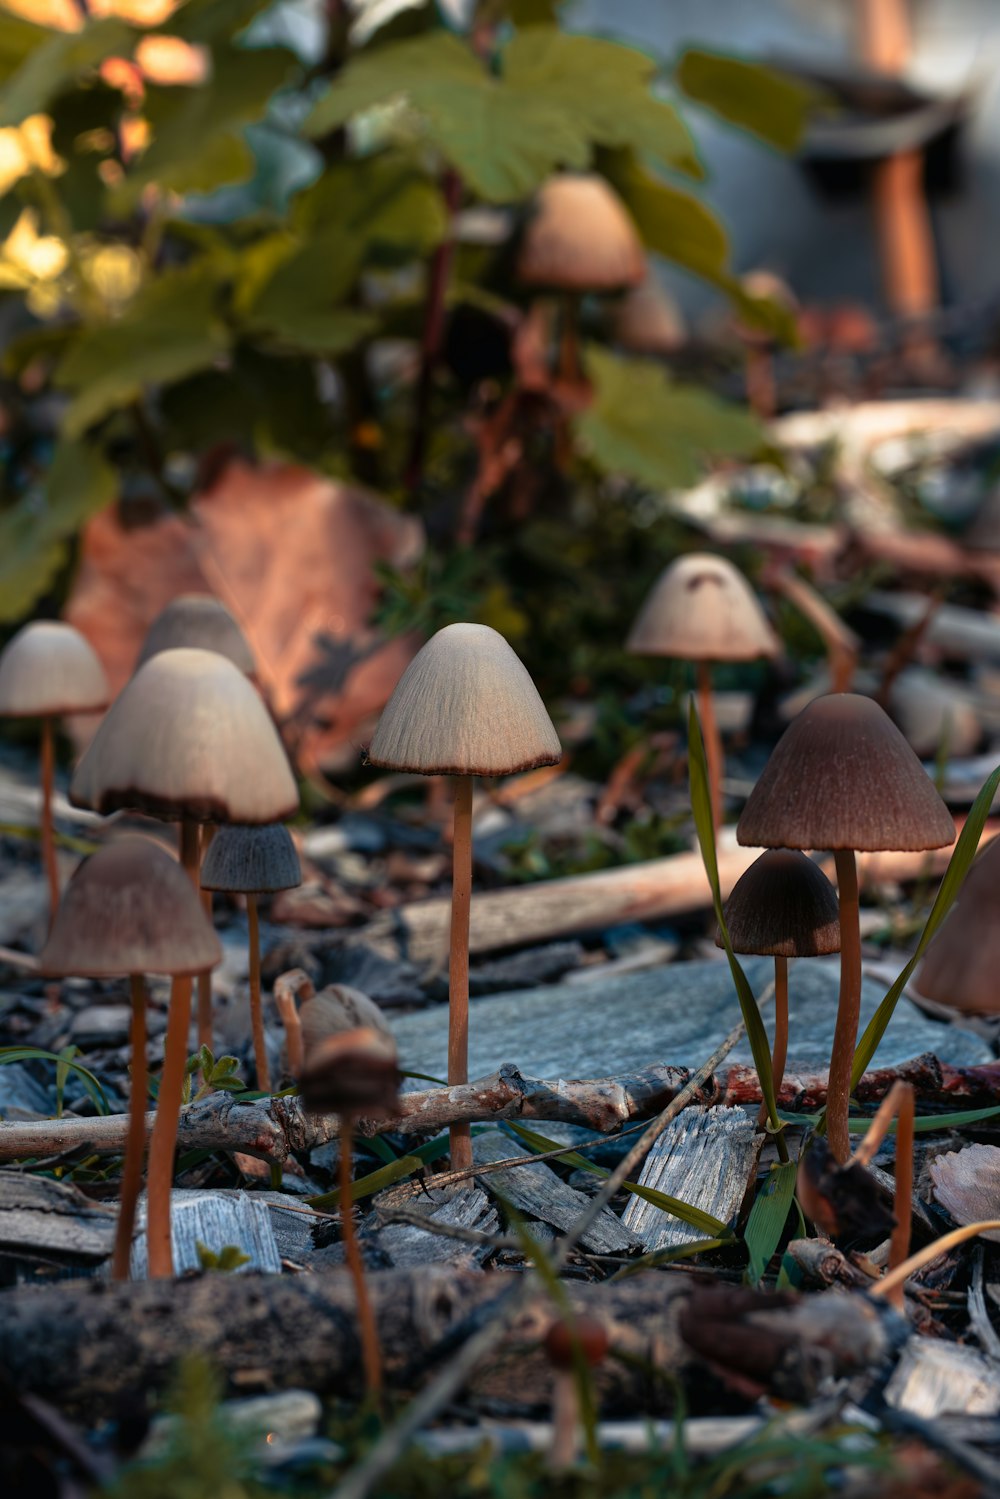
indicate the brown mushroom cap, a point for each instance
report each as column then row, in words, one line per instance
column 648, row 321
column 580, row 238
column 49, row 669
column 198, row 619
column 354, row 1072
column 188, row 737
column 843, row 776
column 130, row 908
column 784, row 906
column 465, row 706
column 702, row 609
column 251, row 860
column 961, row 967
column 338, row 1008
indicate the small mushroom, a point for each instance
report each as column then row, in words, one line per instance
column 702, row 609
column 49, row 670
column 583, row 1340
column 187, row 740
column 130, row 910
column 648, row 321
column 842, row 777
column 784, row 906
column 354, row 1074
column 252, row 861
column 198, row 619
column 961, row 968
column 464, row 707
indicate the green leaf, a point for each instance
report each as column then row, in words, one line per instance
column 641, row 424
column 385, row 200
column 502, row 141
column 168, row 331
column 672, row 222
column 701, row 805
column 327, row 332
column 604, row 88
column 768, row 1217
column 63, row 1061
column 366, row 1186
column 50, row 67
column 29, row 562
column 694, row 1217
column 924, row 1124
column 771, row 104
column 963, row 854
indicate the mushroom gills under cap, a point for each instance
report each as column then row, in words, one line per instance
column 465, row 706
column 130, row 908
column 47, row 670
column 580, row 237
column 254, row 860
column 702, row 609
column 783, row 906
column 188, row 737
column 843, row 776
column 198, row 619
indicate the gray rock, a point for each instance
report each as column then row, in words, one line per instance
column 678, row 1014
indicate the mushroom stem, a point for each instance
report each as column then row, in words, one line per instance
column 289, row 1014
column 163, row 1140
column 713, row 741
column 371, row 1351
column 48, row 834
column 845, row 1036
column 899, row 1103
column 205, row 1037
column 135, row 1143
column 894, row 1280
column 256, row 1017
column 779, row 1051
column 565, row 1421
column 460, row 1135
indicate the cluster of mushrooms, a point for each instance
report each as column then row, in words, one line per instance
column 190, row 740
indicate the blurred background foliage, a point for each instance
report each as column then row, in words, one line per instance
column 288, row 231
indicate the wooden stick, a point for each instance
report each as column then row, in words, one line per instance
column 460, row 1136
column 135, row 1145
column 48, row 832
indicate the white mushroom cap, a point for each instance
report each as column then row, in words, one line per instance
column 648, row 320
column 702, row 609
column 465, row 706
column 198, row 619
column 252, row 860
column 188, row 737
column 580, row 238
column 49, row 669
column 130, row 908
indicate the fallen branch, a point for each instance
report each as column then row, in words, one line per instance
column 300, row 1331
column 272, row 1129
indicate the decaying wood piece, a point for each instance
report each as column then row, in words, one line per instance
column 82, row 1346
column 461, row 1222
column 707, row 1158
column 272, row 1129
column 935, row 1378
column 50, row 1220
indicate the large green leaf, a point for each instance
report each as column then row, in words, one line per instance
column 196, row 145
column 171, row 329
column 604, row 88
column 47, row 69
column 385, row 200
column 958, row 867
column 771, row 104
column 32, row 538
column 501, row 140
column 672, row 222
column 641, row 424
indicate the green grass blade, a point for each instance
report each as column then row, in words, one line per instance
column 964, row 852
column 924, row 1124
column 38, row 1054
column 658, row 1257
column 701, row 804
column 768, row 1217
column 692, row 1216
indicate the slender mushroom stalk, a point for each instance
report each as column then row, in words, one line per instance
column 465, row 706
column 205, row 1036
column 894, row 1280
column 701, row 609
column 572, row 1349
column 354, row 1073
column 460, row 1135
column 842, row 777
column 899, row 1103
column 782, row 906
column 256, row 1013
column 845, row 1036
column 48, row 832
column 128, row 910
column 49, row 670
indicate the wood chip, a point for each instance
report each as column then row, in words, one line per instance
column 706, row 1158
